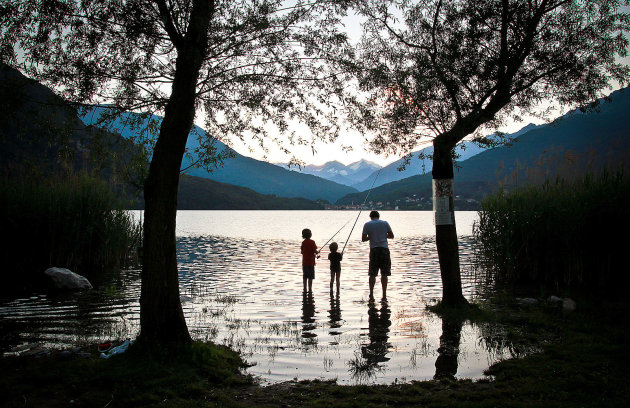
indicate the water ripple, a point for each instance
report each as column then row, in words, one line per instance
column 244, row 289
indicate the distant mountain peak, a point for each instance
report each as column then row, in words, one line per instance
column 363, row 164
column 336, row 171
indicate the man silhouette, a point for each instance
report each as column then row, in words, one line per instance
column 377, row 232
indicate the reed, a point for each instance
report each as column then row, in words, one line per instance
column 561, row 236
column 74, row 222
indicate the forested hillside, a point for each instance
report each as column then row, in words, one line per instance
column 41, row 135
column 573, row 144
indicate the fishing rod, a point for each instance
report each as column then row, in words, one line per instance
column 331, row 238
column 360, row 210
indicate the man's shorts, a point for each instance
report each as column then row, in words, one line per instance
column 380, row 259
column 308, row 271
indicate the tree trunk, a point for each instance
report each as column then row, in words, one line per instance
column 161, row 316
column 445, row 231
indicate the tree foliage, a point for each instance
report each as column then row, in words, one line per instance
column 263, row 69
column 448, row 68
column 441, row 70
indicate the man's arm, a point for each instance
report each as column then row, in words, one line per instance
column 365, row 237
column 390, row 234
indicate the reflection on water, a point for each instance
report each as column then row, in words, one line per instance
column 245, row 291
column 446, row 363
column 308, row 313
column 334, row 315
column 378, row 329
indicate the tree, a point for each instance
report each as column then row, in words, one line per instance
column 442, row 70
column 243, row 65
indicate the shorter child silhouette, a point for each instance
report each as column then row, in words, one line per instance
column 335, row 265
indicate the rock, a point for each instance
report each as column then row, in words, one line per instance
column 554, row 300
column 67, row 280
column 568, row 305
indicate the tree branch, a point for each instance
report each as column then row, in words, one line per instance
column 438, row 69
column 169, row 25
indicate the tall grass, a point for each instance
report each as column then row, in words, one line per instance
column 74, row 222
column 561, row 236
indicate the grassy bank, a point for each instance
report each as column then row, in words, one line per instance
column 558, row 237
column 134, row 379
column 74, row 222
column 587, row 365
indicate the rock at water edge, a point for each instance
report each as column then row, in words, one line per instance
column 65, row 279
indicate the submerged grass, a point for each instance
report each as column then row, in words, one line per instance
column 74, row 222
column 557, row 237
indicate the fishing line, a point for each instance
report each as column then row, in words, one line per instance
column 331, row 238
column 360, row 210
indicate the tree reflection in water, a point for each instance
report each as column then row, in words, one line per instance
column 446, row 363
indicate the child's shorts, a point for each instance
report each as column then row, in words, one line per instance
column 308, row 271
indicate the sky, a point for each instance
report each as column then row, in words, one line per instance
column 325, row 152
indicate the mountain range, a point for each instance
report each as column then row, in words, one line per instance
column 42, row 135
column 348, row 175
column 38, row 133
column 198, row 193
column 420, row 162
column 260, row 176
column 573, row 144
column 363, row 174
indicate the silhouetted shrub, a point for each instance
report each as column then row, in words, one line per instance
column 561, row 236
column 74, row 222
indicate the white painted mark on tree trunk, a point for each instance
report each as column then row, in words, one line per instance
column 442, row 197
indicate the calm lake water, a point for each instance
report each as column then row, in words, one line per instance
column 241, row 285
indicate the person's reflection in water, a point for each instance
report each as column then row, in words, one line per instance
column 379, row 321
column 446, row 363
column 334, row 315
column 308, row 313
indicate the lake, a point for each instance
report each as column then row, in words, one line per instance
column 241, row 285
